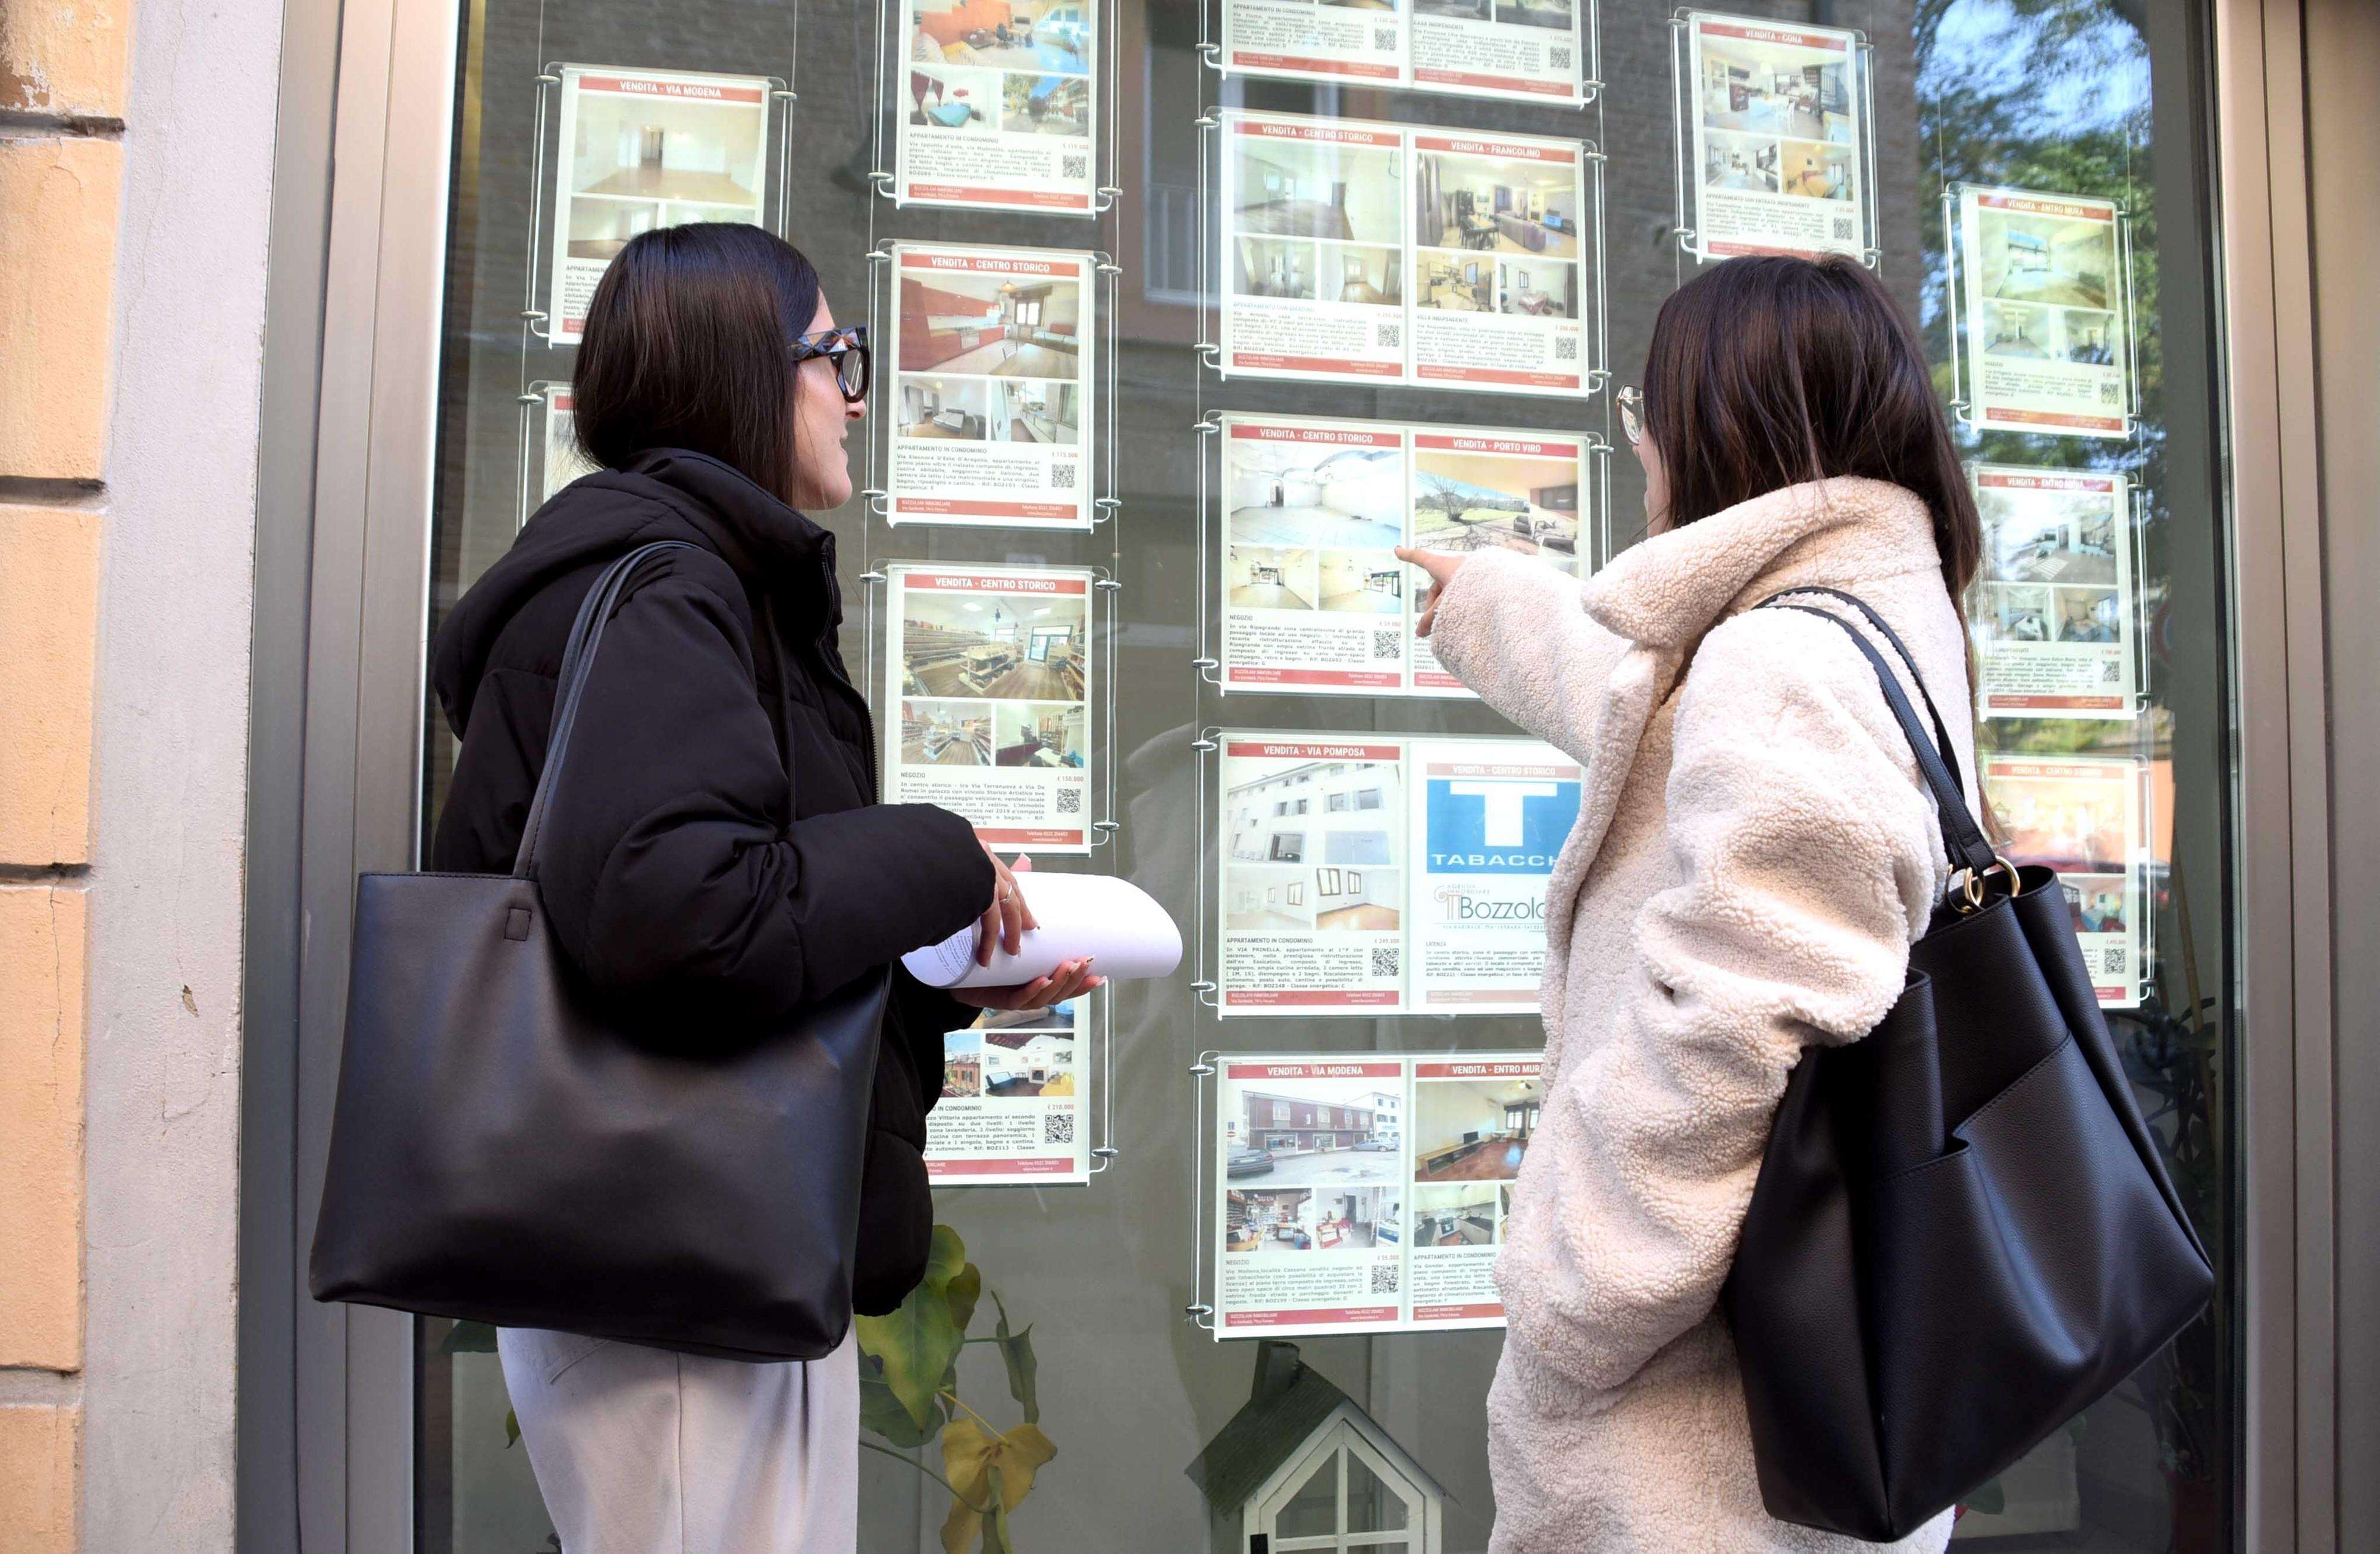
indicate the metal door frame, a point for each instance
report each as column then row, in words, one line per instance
column 326, row 1436
column 360, row 219
column 2285, row 1184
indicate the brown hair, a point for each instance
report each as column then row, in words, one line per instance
column 1768, row 372
column 688, row 345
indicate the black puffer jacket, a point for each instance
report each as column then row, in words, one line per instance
column 716, row 854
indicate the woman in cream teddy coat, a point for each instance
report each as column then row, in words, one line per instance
column 1753, row 857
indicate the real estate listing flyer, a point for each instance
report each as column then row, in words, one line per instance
column 1294, row 806
column 1529, row 50
column 1532, row 50
column 992, row 387
column 1365, row 1192
column 1012, row 1106
column 1381, row 874
column 1333, row 273
column 2084, row 816
column 987, row 704
column 560, row 460
column 1491, row 816
column 2054, row 610
column 2046, row 300
column 1314, row 598
column 1776, row 158
column 1497, row 261
column 1318, row 39
column 1313, row 246
column 998, row 100
column 1475, row 489
column 644, row 148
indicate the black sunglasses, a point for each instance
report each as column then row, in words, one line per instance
column 847, row 348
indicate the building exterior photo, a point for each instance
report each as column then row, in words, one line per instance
column 1288, row 1124
column 289, row 300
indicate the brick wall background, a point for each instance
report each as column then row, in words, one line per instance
column 134, row 181
column 62, row 85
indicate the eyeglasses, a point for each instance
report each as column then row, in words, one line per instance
column 847, row 348
column 1631, row 414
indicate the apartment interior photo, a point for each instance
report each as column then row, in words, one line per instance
column 1256, row 899
column 1266, row 577
column 1458, row 284
column 1349, row 900
column 1496, row 205
column 943, row 409
column 1536, row 289
column 1473, row 1130
column 1371, row 276
column 1284, row 495
column 1464, row 1215
column 1288, row 188
column 1363, row 582
column 979, row 324
column 1273, row 267
column 1040, row 412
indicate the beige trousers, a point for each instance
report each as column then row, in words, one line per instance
column 639, row 1451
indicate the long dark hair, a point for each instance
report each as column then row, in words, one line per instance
column 1768, row 371
column 689, row 345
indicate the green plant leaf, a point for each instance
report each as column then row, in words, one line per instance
column 469, row 1338
column 885, row 1414
column 512, row 1429
column 916, row 1345
column 1017, row 1352
column 964, row 1291
column 945, row 1256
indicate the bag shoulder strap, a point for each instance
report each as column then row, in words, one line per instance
column 578, row 660
column 1963, row 840
column 1884, row 629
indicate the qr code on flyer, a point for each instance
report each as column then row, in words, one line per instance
column 1384, row 1278
column 1058, row 1127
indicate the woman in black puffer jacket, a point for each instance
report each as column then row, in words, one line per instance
column 718, row 856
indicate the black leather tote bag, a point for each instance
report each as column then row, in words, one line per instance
column 508, row 1148
column 1961, row 1234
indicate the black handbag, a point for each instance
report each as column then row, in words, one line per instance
column 509, row 1148
column 1962, row 1234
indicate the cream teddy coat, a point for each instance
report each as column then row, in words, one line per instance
column 1754, row 857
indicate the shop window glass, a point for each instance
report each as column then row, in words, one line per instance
column 2100, row 622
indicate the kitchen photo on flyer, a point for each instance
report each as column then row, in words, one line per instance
column 992, row 401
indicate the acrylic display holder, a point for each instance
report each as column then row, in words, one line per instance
column 1211, row 236
column 1211, row 491
column 1200, row 1311
column 535, row 307
column 1590, row 80
column 1963, row 368
column 885, row 181
column 884, row 302
column 1682, row 110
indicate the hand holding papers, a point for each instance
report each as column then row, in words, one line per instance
column 1113, row 921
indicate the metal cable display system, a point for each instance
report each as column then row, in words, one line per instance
column 1421, row 249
